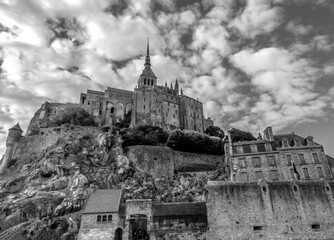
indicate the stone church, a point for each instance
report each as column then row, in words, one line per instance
column 149, row 104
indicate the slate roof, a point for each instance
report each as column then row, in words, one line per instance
column 148, row 72
column 179, row 209
column 103, row 201
column 290, row 137
column 16, row 127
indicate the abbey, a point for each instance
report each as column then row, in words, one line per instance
column 148, row 104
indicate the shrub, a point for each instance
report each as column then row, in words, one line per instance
column 239, row 135
column 191, row 141
column 144, row 135
column 214, row 132
column 74, row 115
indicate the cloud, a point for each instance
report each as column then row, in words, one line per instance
column 285, row 85
column 259, row 17
column 298, row 29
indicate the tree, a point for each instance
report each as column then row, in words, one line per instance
column 239, row 135
column 74, row 115
column 215, row 132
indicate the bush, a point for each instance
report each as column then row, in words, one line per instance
column 239, row 135
column 191, row 141
column 215, row 132
column 145, row 135
column 74, row 115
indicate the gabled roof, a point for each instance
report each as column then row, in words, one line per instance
column 148, row 72
column 289, row 137
column 103, row 201
column 179, row 209
column 16, row 127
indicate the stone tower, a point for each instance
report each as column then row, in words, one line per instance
column 147, row 79
column 14, row 136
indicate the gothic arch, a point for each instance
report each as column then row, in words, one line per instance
column 110, row 108
column 120, row 111
column 128, row 108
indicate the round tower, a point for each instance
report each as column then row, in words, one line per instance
column 14, row 135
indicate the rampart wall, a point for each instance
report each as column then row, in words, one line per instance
column 271, row 210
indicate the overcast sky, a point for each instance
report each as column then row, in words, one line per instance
column 253, row 63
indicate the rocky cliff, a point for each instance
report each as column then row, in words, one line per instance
column 44, row 188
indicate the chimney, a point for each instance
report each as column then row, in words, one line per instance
column 268, row 134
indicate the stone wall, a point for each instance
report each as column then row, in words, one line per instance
column 160, row 161
column 271, row 210
column 91, row 230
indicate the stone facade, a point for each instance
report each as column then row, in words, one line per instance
column 278, row 157
column 149, row 104
column 271, row 210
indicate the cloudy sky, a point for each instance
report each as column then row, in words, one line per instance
column 252, row 63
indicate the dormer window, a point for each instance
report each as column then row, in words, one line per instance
column 285, row 143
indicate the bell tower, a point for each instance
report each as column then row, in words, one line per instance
column 147, row 79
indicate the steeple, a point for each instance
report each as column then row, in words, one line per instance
column 147, row 59
column 176, row 89
column 147, row 79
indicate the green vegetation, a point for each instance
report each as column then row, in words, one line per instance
column 215, row 132
column 239, row 135
column 191, row 141
column 144, row 135
column 73, row 115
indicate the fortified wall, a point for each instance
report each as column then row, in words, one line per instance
column 271, row 210
column 159, row 160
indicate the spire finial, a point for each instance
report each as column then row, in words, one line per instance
column 147, row 59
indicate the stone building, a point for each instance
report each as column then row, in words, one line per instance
column 278, row 157
column 101, row 216
column 45, row 114
column 148, row 104
column 106, row 216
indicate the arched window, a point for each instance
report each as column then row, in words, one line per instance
column 144, row 81
column 118, row 234
column 120, row 111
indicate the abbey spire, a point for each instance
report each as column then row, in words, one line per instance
column 147, row 59
column 147, row 79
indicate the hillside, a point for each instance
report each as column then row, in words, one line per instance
column 51, row 175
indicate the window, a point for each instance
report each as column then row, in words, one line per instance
column 242, row 163
column 144, row 81
column 258, row 175
column 301, row 158
column 260, row 147
column 320, row 172
column 271, row 161
column 109, row 218
column 306, row 173
column 274, row 175
column 256, row 161
column 285, row 143
column 257, row 228
column 104, row 218
column 292, row 173
column 315, row 157
column 144, row 106
column 243, row 176
column 173, row 115
column 99, row 218
column 289, row 159
column 247, row 149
